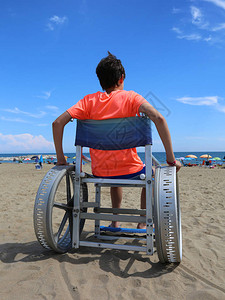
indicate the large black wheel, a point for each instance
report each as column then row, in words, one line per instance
column 53, row 223
column 167, row 216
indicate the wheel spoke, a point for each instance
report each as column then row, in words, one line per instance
column 62, row 206
column 62, row 226
column 68, row 188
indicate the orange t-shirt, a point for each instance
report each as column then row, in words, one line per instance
column 100, row 106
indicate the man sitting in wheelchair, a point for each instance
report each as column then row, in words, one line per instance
column 114, row 102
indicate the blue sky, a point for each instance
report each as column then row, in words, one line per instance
column 172, row 51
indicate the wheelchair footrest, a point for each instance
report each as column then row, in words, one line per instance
column 122, row 230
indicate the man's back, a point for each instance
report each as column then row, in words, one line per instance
column 100, row 106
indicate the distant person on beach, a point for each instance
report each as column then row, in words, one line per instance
column 115, row 102
column 41, row 162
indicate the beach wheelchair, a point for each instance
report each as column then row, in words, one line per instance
column 62, row 205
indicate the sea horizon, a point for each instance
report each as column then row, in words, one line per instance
column 160, row 156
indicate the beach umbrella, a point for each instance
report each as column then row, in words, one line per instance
column 27, row 158
column 34, row 157
column 216, row 158
column 188, row 158
column 191, row 156
column 180, row 158
column 206, row 156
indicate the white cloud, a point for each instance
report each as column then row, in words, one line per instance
column 196, row 15
column 56, row 21
column 198, row 18
column 190, row 37
column 43, row 125
column 50, row 27
column 46, row 95
column 52, row 107
column 18, row 111
column 219, row 27
column 211, row 100
column 176, row 10
column 199, row 27
column 54, row 110
column 220, row 3
column 18, row 120
column 177, row 30
column 208, row 39
column 24, row 143
column 220, row 108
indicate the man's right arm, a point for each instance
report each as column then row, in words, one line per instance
column 163, row 130
column 57, row 129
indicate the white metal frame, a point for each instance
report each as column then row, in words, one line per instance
column 121, row 217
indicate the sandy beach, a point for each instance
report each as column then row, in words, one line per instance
column 28, row 271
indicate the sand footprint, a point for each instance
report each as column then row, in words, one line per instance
column 104, row 278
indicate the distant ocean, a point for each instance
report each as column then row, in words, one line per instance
column 160, row 156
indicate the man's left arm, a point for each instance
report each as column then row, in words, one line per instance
column 57, row 129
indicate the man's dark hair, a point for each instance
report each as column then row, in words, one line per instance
column 109, row 71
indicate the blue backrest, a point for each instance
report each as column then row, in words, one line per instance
column 114, row 134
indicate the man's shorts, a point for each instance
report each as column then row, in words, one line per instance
column 127, row 176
